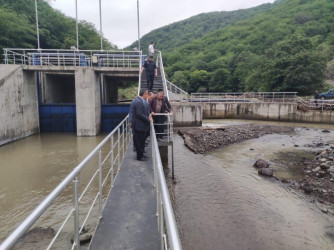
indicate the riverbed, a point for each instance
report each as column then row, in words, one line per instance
column 222, row 203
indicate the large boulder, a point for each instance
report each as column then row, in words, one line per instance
column 268, row 172
column 261, row 164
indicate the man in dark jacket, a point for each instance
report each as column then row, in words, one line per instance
column 140, row 123
column 158, row 105
column 151, row 71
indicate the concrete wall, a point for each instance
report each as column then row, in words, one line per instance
column 187, row 114
column 18, row 103
column 88, row 102
column 265, row 111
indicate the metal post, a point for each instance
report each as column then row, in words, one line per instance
column 76, row 23
column 76, row 215
column 172, row 160
column 37, row 28
column 101, row 26
column 123, row 140
column 112, row 161
column 118, row 148
column 100, row 183
column 138, row 25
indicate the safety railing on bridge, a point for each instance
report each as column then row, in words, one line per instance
column 175, row 89
column 166, row 220
column 315, row 104
column 162, row 72
column 88, row 58
column 164, row 123
column 109, row 154
column 283, row 97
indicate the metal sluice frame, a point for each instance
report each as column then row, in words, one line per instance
column 124, row 135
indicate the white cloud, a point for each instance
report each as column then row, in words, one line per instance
column 119, row 17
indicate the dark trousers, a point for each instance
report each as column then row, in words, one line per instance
column 139, row 142
column 159, row 119
column 150, row 81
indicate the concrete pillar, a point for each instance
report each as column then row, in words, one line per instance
column 88, row 102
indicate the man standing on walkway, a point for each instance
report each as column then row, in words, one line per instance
column 151, row 71
column 158, row 105
column 151, row 49
column 141, row 123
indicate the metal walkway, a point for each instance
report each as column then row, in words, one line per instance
column 129, row 217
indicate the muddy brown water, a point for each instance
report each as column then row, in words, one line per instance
column 30, row 169
column 222, row 203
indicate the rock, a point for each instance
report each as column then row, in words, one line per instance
column 38, row 234
column 316, row 169
column 308, row 189
column 266, row 172
column 331, row 169
column 252, row 149
column 324, row 166
column 323, row 159
column 261, row 164
column 326, row 131
column 321, row 174
column 84, row 238
column 296, row 145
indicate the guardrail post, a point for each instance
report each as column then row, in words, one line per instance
column 118, row 148
column 112, row 161
column 100, row 183
column 123, row 140
column 76, row 215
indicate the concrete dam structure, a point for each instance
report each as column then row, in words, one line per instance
column 46, row 99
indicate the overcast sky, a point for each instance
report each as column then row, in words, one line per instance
column 119, row 17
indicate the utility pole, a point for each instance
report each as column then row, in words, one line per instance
column 101, row 34
column 37, row 29
column 77, row 28
column 138, row 25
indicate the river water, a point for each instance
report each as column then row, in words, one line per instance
column 30, row 169
column 222, row 203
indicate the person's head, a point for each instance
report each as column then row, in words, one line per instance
column 160, row 95
column 150, row 96
column 150, row 58
column 316, row 91
column 143, row 93
column 153, row 43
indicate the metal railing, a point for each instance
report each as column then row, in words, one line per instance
column 167, row 125
column 59, row 57
column 166, row 221
column 106, row 165
column 175, row 89
column 140, row 66
column 284, row 97
column 162, row 72
column 315, row 104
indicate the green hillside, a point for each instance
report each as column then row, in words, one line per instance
column 180, row 33
column 57, row 31
column 285, row 48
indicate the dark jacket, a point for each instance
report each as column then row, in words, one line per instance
column 164, row 106
column 140, row 117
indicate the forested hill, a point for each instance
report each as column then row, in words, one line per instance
column 57, row 31
column 285, row 48
column 180, row 33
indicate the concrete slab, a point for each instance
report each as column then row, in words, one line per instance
column 129, row 220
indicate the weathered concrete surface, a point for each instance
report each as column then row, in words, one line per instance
column 176, row 97
column 18, row 103
column 88, row 102
column 265, row 111
column 187, row 114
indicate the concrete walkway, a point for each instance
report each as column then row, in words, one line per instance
column 129, row 220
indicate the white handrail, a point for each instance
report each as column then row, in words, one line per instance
column 163, row 76
column 172, row 86
column 164, row 205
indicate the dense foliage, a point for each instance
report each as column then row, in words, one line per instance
column 284, row 48
column 180, row 33
column 57, row 31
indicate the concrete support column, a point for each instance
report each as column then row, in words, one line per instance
column 88, row 102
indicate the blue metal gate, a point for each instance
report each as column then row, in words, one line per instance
column 112, row 115
column 57, row 118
